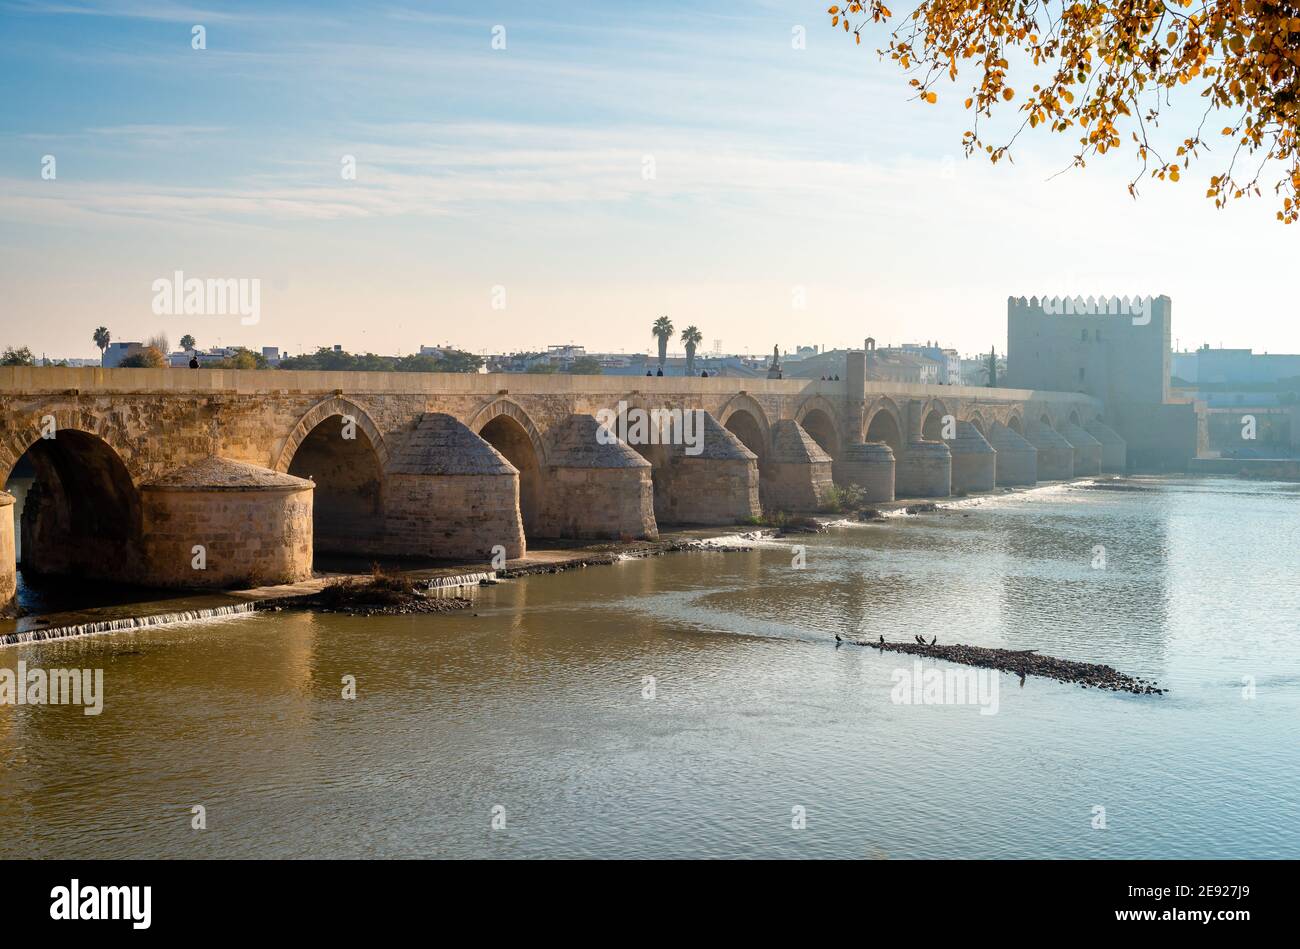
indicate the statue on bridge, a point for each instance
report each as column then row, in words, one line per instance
column 774, row 370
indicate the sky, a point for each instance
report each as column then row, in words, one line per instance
column 530, row 175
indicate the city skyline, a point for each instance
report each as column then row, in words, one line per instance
column 567, row 182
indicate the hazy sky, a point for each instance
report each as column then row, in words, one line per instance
column 612, row 163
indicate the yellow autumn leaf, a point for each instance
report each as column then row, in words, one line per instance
column 1242, row 57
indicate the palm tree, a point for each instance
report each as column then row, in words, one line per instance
column 691, row 337
column 187, row 342
column 663, row 329
column 102, row 338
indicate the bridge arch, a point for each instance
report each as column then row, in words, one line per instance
column 67, row 418
column 328, row 408
column 346, row 461
column 977, row 419
column 1045, row 418
column 78, row 502
column 1074, row 416
column 745, row 418
column 883, row 422
column 819, row 419
column 514, row 410
column 505, row 426
column 1015, row 422
column 932, row 415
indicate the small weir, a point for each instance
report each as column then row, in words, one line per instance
column 124, row 623
column 459, row 580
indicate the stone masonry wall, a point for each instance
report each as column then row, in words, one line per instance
column 8, row 570
column 608, row 503
column 157, row 421
column 923, row 471
column 453, row 516
column 712, row 491
column 250, row 537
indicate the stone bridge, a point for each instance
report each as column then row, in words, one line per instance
column 211, row 478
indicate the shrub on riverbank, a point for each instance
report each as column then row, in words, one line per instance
column 846, row 499
column 785, row 522
column 381, row 593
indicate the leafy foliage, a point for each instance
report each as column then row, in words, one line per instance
column 844, row 499
column 243, row 358
column 150, row 357
column 1109, row 64
column 586, row 366
column 331, row 360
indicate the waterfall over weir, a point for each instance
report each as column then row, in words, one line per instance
column 434, row 586
column 459, row 580
column 124, row 623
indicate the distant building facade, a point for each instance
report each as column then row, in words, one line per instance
column 899, row 365
column 948, row 360
column 116, row 352
column 1238, row 367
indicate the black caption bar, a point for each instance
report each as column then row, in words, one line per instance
column 141, row 899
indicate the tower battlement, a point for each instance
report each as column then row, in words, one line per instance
column 1113, row 347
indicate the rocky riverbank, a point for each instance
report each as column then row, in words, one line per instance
column 380, row 594
column 1026, row 662
column 619, row 552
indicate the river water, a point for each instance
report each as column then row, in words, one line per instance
column 695, row 705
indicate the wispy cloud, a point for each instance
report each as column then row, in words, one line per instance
column 159, row 10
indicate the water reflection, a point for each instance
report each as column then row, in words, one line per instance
column 536, row 700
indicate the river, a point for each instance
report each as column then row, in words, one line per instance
column 696, row 705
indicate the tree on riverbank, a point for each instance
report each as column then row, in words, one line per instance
column 17, row 357
column 1104, row 69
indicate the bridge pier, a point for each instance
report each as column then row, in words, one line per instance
column 870, row 466
column 974, row 461
column 1114, row 450
column 798, row 475
column 719, row 485
column 597, row 486
column 1017, row 460
column 1087, row 450
column 450, row 494
column 8, row 560
column 1055, row 454
column 222, row 523
column 924, row 470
